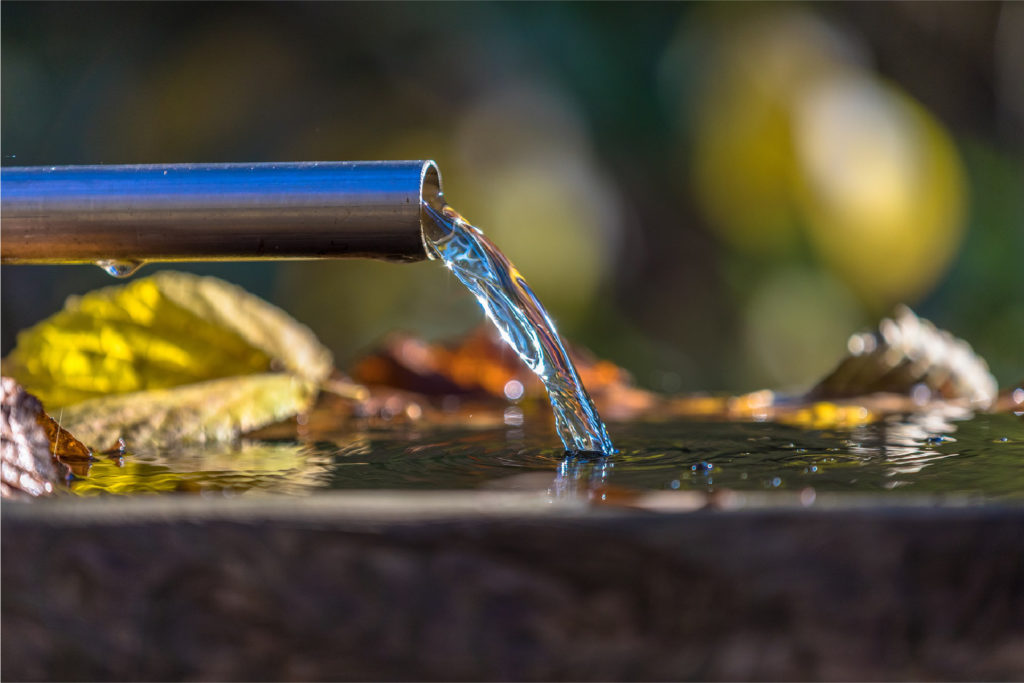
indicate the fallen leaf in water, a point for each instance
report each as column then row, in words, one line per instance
column 906, row 365
column 216, row 410
column 826, row 415
column 159, row 332
column 171, row 357
column 481, row 365
column 37, row 452
column 753, row 406
column 27, row 468
column 62, row 444
column 909, row 355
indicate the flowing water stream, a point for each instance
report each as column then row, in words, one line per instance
column 522, row 321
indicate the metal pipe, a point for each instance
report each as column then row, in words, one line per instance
column 122, row 216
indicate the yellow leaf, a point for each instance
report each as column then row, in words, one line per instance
column 215, row 410
column 826, row 415
column 159, row 332
column 171, row 357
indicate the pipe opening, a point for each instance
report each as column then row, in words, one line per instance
column 431, row 196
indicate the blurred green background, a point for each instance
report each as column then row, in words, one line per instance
column 713, row 196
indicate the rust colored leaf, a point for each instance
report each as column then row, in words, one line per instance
column 480, row 365
column 63, row 445
column 409, row 379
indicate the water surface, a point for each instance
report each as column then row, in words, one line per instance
column 981, row 456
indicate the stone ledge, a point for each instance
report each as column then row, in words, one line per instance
column 510, row 586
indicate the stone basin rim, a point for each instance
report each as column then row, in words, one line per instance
column 413, row 506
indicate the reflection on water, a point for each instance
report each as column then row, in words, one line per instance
column 906, row 446
column 250, row 465
column 577, row 475
column 921, row 453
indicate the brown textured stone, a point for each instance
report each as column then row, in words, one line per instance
column 507, row 587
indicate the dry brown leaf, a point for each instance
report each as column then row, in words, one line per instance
column 481, row 365
column 36, row 452
column 909, row 355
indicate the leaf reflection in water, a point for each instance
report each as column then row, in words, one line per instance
column 906, row 445
column 287, row 468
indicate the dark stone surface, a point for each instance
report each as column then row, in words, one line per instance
column 511, row 590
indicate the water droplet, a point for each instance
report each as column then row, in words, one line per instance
column 674, row 484
column 119, row 268
column 776, row 482
column 514, row 390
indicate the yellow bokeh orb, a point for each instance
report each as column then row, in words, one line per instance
column 796, row 141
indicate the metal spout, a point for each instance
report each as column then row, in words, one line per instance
column 215, row 212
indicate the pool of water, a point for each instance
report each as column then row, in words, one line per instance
column 925, row 454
